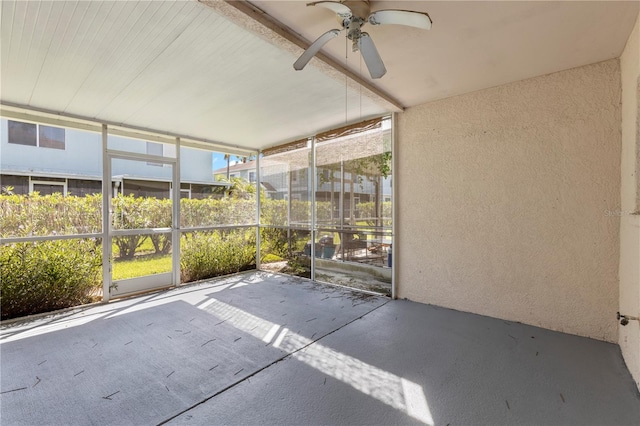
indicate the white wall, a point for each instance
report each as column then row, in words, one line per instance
column 629, row 337
column 83, row 155
column 506, row 198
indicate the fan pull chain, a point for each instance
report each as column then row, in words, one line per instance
column 360, row 87
column 346, row 92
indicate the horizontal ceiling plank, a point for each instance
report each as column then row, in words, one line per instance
column 285, row 38
column 22, row 113
column 188, row 64
column 177, row 68
column 142, row 31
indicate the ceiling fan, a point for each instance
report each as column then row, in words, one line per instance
column 352, row 15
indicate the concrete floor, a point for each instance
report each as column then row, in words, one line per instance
column 260, row 348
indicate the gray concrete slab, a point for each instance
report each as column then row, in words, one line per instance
column 143, row 360
column 410, row 363
column 258, row 348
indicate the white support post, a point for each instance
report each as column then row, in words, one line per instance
column 106, row 216
column 175, row 226
column 258, row 210
column 312, row 182
column 341, row 209
column 289, row 192
column 394, row 207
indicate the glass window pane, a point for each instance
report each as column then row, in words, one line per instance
column 51, row 137
column 141, row 146
column 82, row 187
column 11, row 184
column 48, row 188
column 22, row 133
column 146, row 188
column 154, row 149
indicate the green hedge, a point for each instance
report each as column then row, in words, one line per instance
column 213, row 253
column 48, row 275
column 43, row 215
column 54, row 214
column 25, row 215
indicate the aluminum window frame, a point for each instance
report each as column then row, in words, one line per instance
column 33, row 182
column 38, row 126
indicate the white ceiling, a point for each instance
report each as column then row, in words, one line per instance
column 180, row 67
column 170, row 66
column 474, row 45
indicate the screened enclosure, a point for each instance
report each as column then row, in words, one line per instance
column 108, row 213
column 330, row 214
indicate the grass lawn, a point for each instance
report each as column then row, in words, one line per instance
column 146, row 247
column 141, row 265
column 271, row 258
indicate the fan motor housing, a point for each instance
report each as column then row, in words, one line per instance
column 359, row 8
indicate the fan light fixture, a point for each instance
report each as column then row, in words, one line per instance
column 351, row 15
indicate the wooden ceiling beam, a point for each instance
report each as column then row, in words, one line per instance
column 253, row 19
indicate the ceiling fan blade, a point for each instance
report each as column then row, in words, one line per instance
column 314, row 48
column 371, row 57
column 334, row 6
column 401, row 17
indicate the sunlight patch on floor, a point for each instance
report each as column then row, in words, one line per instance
column 382, row 385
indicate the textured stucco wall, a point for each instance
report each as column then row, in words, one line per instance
column 629, row 336
column 508, row 198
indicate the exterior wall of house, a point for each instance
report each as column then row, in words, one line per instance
column 83, row 156
column 505, row 196
column 196, row 165
column 629, row 336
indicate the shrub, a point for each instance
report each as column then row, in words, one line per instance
column 211, row 212
column 274, row 241
column 367, row 212
column 158, row 213
column 48, row 275
column 131, row 212
column 213, row 253
column 273, row 212
column 281, row 242
column 25, row 215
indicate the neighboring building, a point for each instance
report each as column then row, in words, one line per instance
column 273, row 182
column 36, row 157
column 279, row 184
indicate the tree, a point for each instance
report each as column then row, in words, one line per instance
column 239, row 188
column 227, row 157
column 374, row 168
